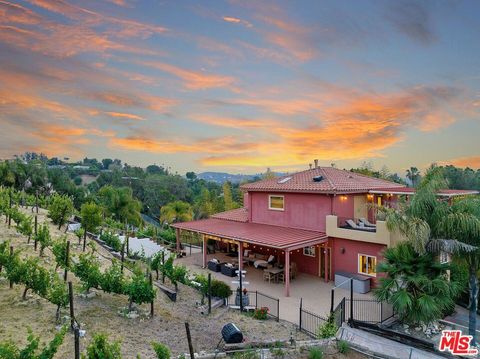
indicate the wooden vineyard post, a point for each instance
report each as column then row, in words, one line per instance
column 36, row 201
column 9, row 212
column 72, row 312
column 163, row 267
column 84, row 238
column 189, row 339
column 67, row 261
column 36, row 224
column 123, row 256
column 153, row 300
column 11, row 256
column 209, row 293
column 76, row 333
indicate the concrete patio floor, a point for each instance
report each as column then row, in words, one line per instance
column 313, row 290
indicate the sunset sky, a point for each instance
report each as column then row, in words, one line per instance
column 239, row 86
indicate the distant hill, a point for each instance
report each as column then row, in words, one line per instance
column 221, row 177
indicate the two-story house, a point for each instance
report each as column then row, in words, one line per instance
column 320, row 219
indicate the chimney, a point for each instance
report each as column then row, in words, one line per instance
column 310, row 165
column 316, row 163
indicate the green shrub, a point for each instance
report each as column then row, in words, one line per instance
column 161, row 350
column 112, row 241
column 59, row 249
column 315, row 353
column 88, row 271
column 112, row 280
column 139, row 289
column 60, row 209
column 343, row 346
column 328, row 329
column 100, row 348
column 220, row 289
column 43, row 237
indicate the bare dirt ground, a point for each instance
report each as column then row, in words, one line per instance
column 100, row 314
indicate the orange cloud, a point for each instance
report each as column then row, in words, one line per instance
column 236, row 20
column 193, row 80
column 233, row 122
column 470, row 161
column 125, row 115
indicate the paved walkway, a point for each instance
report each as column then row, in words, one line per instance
column 313, row 290
column 382, row 347
column 460, row 317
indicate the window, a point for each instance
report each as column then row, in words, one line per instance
column 276, row 203
column 367, row 264
column 309, row 251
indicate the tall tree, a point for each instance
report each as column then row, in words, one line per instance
column 413, row 174
column 177, row 211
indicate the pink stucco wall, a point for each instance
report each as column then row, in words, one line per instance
column 348, row 261
column 302, row 210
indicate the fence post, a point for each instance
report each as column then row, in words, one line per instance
column 11, row 256
column 153, row 300
column 123, row 256
column 351, row 302
column 76, row 332
column 300, row 319
column 189, row 339
column 209, row 293
column 278, row 309
column 72, row 313
column 256, row 299
column 332, row 300
column 67, row 261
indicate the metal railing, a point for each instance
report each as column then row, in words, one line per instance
column 368, row 311
column 309, row 322
column 256, row 300
column 339, row 313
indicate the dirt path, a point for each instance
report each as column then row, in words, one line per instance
column 100, row 314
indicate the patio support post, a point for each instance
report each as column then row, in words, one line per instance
column 287, row 273
column 240, row 255
column 177, row 235
column 326, row 263
column 204, row 252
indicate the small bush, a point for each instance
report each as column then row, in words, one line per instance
column 161, row 350
column 328, row 329
column 220, row 289
column 315, row 353
column 111, row 240
column 261, row 313
column 100, row 348
column 343, row 346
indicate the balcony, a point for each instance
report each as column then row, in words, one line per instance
column 338, row 227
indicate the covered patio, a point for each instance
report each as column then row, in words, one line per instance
column 280, row 242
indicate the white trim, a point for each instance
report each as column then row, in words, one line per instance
column 358, row 264
column 310, row 255
column 270, row 201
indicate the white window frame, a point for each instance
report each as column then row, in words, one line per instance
column 358, row 264
column 270, row 202
column 309, row 251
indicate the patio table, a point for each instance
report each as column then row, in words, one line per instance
column 274, row 272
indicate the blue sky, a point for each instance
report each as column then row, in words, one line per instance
column 242, row 85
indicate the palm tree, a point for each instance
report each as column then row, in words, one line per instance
column 463, row 224
column 177, row 211
column 416, row 285
column 413, row 174
column 432, row 225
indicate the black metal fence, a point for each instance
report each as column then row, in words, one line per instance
column 256, row 300
column 368, row 310
column 339, row 313
column 309, row 322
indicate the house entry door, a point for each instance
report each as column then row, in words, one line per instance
column 325, row 263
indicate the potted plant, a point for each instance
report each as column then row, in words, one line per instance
column 244, row 297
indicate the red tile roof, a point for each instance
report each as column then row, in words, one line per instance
column 334, row 181
column 409, row 190
column 255, row 233
column 237, row 215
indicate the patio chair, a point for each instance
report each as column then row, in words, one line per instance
column 293, row 270
column 228, row 270
column 214, row 265
column 353, row 225
column 267, row 276
column 367, row 223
